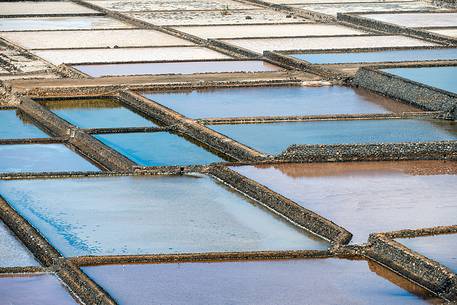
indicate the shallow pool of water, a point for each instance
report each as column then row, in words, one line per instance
column 60, row 23
column 128, row 55
column 276, row 101
column 12, row 252
column 13, row 125
column 268, row 30
column 444, row 78
column 381, row 6
column 41, row 158
column 276, row 137
column 37, row 289
column 185, row 67
column 441, row 248
column 368, row 197
column 149, row 215
column 379, row 56
column 114, row 38
column 42, row 8
column 158, row 149
column 260, row 45
column 417, row 19
column 97, row 113
column 288, row 282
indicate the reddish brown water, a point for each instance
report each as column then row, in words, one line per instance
column 367, row 197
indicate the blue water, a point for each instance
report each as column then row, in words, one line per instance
column 273, row 101
column 41, row 158
column 149, row 215
column 34, row 289
column 14, row 127
column 97, row 114
column 444, row 78
column 12, row 252
column 378, row 56
column 275, row 138
column 158, row 149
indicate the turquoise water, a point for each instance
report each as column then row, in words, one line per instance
column 378, row 56
column 158, row 149
column 176, row 68
column 97, row 113
column 41, row 158
column 12, row 126
column 441, row 248
column 273, row 101
column 444, row 78
column 149, row 215
column 286, row 282
column 275, row 138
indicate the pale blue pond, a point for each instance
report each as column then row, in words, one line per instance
column 378, row 56
column 33, row 289
column 41, row 158
column 444, row 78
column 276, row 137
column 149, row 215
column 12, row 252
column 441, row 248
column 158, row 149
column 286, row 282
